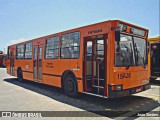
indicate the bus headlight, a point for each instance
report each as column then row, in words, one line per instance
column 116, row 87
column 145, row 81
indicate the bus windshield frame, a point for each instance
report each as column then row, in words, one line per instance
column 130, row 51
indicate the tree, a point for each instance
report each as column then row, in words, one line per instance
column 1, row 52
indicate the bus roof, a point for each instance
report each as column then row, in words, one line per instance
column 154, row 38
column 81, row 28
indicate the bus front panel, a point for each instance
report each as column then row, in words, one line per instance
column 131, row 71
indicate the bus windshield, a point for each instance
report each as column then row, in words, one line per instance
column 130, row 51
column 140, row 51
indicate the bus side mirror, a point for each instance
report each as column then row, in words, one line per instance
column 117, row 35
column 117, row 39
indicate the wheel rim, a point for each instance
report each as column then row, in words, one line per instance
column 69, row 86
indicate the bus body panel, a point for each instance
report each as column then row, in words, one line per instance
column 26, row 66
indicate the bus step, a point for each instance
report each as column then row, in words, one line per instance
column 98, row 86
column 97, row 79
column 95, row 90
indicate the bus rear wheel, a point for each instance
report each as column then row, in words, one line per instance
column 70, row 86
column 20, row 75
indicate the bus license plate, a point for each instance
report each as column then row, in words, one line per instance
column 138, row 89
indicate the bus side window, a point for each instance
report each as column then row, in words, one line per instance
column 70, row 45
column 67, row 53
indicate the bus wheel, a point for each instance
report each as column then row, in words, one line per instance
column 20, row 75
column 70, row 87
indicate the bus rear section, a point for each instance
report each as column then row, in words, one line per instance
column 115, row 63
column 154, row 58
column 2, row 60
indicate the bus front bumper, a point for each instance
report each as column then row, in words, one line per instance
column 127, row 92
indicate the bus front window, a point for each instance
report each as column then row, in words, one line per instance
column 124, row 51
column 140, row 51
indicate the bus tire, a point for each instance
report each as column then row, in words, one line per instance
column 20, row 75
column 70, row 86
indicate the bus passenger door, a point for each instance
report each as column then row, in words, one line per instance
column 12, row 63
column 94, row 64
column 37, row 63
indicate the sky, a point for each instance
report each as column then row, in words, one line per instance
column 22, row 20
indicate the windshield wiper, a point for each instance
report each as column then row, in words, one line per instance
column 142, row 59
column 127, row 67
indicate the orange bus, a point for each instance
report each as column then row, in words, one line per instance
column 107, row 59
column 154, row 58
column 2, row 59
